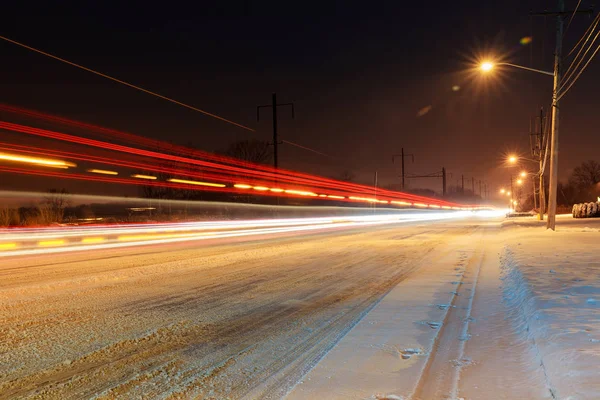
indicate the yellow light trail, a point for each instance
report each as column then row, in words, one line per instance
column 363, row 199
column 48, row 243
column 260, row 188
column 301, row 192
column 8, row 246
column 47, row 162
column 401, row 203
column 331, row 196
column 197, row 183
column 149, row 177
column 242, row 186
column 92, row 240
column 102, row 172
column 276, row 190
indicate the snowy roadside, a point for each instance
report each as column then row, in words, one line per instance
column 552, row 287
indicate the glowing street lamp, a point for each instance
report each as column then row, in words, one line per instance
column 502, row 191
column 523, row 174
column 512, row 159
column 486, row 66
column 519, row 181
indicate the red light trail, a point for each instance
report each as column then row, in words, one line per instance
column 186, row 169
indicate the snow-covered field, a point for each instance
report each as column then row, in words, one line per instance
column 473, row 309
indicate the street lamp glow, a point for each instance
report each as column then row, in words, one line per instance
column 523, row 174
column 512, row 159
column 519, row 181
column 486, row 66
column 515, row 202
column 508, row 193
column 502, row 191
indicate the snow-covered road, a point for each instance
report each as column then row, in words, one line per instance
column 469, row 309
column 189, row 320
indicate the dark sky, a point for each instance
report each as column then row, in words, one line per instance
column 358, row 72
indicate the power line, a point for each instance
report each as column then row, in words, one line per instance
column 149, row 92
column 563, row 92
column 572, row 16
column 590, row 28
column 572, row 71
column 575, row 63
column 307, row 148
column 127, row 84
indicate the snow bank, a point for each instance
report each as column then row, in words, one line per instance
column 552, row 286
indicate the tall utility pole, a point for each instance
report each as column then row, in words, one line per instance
column 512, row 194
column 276, row 142
column 560, row 14
column 402, row 155
column 443, row 181
column 554, row 133
column 441, row 174
column 375, row 191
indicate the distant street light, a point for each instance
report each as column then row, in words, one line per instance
column 523, row 174
column 502, row 191
column 519, row 181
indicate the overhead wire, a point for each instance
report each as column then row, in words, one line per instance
column 582, row 37
column 563, row 92
column 572, row 16
column 587, row 35
column 571, row 75
column 148, row 91
column 127, row 84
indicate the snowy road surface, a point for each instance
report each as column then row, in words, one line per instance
column 436, row 310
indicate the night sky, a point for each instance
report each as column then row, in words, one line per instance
column 359, row 73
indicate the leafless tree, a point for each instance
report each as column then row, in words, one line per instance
column 587, row 175
column 347, row 176
column 252, row 150
column 53, row 206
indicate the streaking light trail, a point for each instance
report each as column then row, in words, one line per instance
column 45, row 162
column 31, row 241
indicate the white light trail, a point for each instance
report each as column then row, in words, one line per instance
column 59, row 240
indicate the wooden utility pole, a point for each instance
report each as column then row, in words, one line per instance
column 276, row 142
column 441, row 174
column 554, row 132
column 560, row 14
column 542, row 190
column 443, row 181
column 402, row 155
